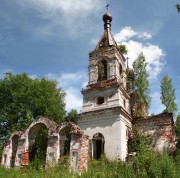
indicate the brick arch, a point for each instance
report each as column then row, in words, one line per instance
column 66, row 130
column 72, row 127
column 39, row 123
column 16, row 133
column 29, row 135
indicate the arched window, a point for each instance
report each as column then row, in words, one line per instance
column 120, row 70
column 102, row 70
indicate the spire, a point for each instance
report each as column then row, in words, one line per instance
column 107, row 38
column 107, row 18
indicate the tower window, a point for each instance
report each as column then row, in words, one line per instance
column 100, row 100
column 120, row 69
column 102, row 70
column 124, row 103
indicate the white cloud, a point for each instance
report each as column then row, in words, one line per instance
column 70, row 15
column 127, row 33
column 73, row 99
column 71, row 82
column 68, row 79
column 145, row 36
column 153, row 53
column 33, row 76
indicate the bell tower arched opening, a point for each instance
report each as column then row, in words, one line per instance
column 102, row 70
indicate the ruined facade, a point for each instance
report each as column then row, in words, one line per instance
column 18, row 150
column 161, row 128
column 105, row 120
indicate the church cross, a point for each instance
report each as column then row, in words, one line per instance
column 107, row 6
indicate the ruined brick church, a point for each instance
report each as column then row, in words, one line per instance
column 104, row 123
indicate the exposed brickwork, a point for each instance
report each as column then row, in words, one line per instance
column 161, row 127
column 20, row 154
column 25, row 158
column 84, row 154
column 103, row 84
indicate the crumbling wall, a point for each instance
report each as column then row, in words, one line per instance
column 79, row 152
column 27, row 139
column 161, row 127
column 17, row 151
column 9, row 151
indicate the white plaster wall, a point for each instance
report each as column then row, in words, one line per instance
column 124, row 139
column 90, row 99
column 112, row 97
column 113, row 128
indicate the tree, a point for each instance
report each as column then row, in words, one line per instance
column 72, row 116
column 168, row 95
column 178, row 7
column 141, row 86
column 123, row 49
column 22, row 99
column 130, row 80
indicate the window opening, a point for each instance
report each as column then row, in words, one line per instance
column 124, row 103
column 120, row 69
column 102, row 70
column 100, row 100
column 5, row 157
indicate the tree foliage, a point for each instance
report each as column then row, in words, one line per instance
column 178, row 7
column 130, row 80
column 72, row 116
column 122, row 49
column 168, row 95
column 23, row 99
column 141, row 84
column 102, row 70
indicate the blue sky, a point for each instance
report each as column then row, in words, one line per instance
column 53, row 38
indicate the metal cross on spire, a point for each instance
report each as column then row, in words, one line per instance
column 107, row 6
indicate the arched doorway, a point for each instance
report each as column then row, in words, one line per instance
column 65, row 139
column 38, row 139
column 97, row 145
column 14, row 149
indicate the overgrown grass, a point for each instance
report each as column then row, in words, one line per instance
column 145, row 164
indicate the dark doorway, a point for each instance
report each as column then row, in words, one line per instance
column 14, row 149
column 98, row 145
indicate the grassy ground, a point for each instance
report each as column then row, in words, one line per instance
column 147, row 164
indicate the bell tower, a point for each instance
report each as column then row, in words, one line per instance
column 106, row 102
